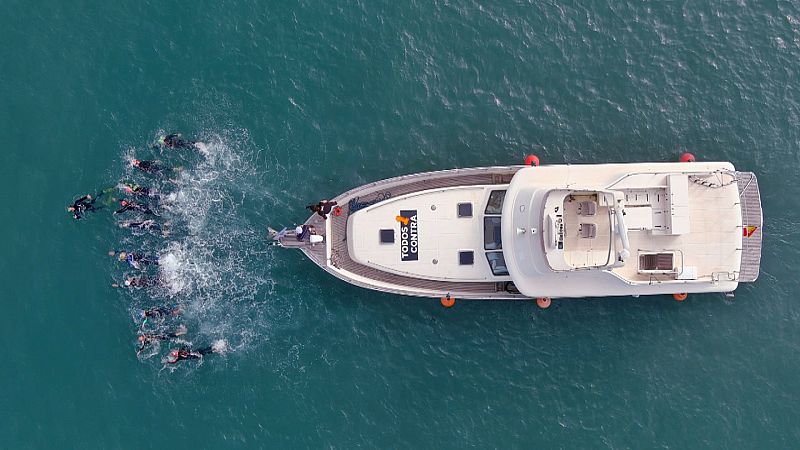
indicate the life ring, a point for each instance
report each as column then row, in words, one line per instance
column 680, row 297
column 447, row 301
column 337, row 211
column 543, row 302
column 687, row 157
column 531, row 160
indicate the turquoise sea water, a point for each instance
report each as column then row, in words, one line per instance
column 304, row 100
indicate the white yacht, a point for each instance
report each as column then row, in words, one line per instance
column 516, row 232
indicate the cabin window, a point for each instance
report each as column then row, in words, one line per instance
column 466, row 257
column 387, row 236
column 465, row 210
column 497, row 263
column 491, row 233
column 495, row 203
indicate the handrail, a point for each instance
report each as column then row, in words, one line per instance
column 679, row 172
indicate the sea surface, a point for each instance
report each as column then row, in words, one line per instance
column 302, row 100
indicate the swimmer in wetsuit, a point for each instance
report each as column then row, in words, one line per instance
column 138, row 282
column 146, row 225
column 82, row 205
column 152, row 167
column 158, row 313
column 148, row 339
column 185, row 353
column 131, row 205
column 135, row 260
column 174, row 141
column 135, row 189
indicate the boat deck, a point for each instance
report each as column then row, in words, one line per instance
column 752, row 222
column 708, row 250
column 342, row 266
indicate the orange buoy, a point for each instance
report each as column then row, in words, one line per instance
column 687, row 157
column 337, row 211
column 680, row 297
column 543, row 302
column 531, row 160
column 447, row 301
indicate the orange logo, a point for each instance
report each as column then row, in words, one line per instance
column 401, row 219
column 748, row 230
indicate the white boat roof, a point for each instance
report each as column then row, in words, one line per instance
column 683, row 215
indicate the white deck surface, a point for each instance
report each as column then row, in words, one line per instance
column 441, row 235
column 711, row 238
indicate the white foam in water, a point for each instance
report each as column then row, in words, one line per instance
column 220, row 346
column 203, row 149
column 205, row 265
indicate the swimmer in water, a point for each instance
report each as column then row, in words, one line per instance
column 146, row 225
column 135, row 260
column 82, row 205
column 186, row 353
column 151, row 167
column 137, row 282
column 136, row 189
column 131, row 205
column 174, row 141
column 159, row 312
column 148, row 339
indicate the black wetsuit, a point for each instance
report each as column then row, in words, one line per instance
column 206, row 350
column 175, row 141
column 157, row 312
column 140, row 282
column 152, row 167
column 133, row 206
column 135, row 189
column 83, row 205
column 151, row 338
column 186, row 354
column 138, row 258
column 143, row 225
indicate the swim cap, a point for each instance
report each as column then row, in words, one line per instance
column 127, row 282
column 123, row 202
column 135, row 162
column 173, row 353
column 161, row 139
column 122, row 256
column 141, row 338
